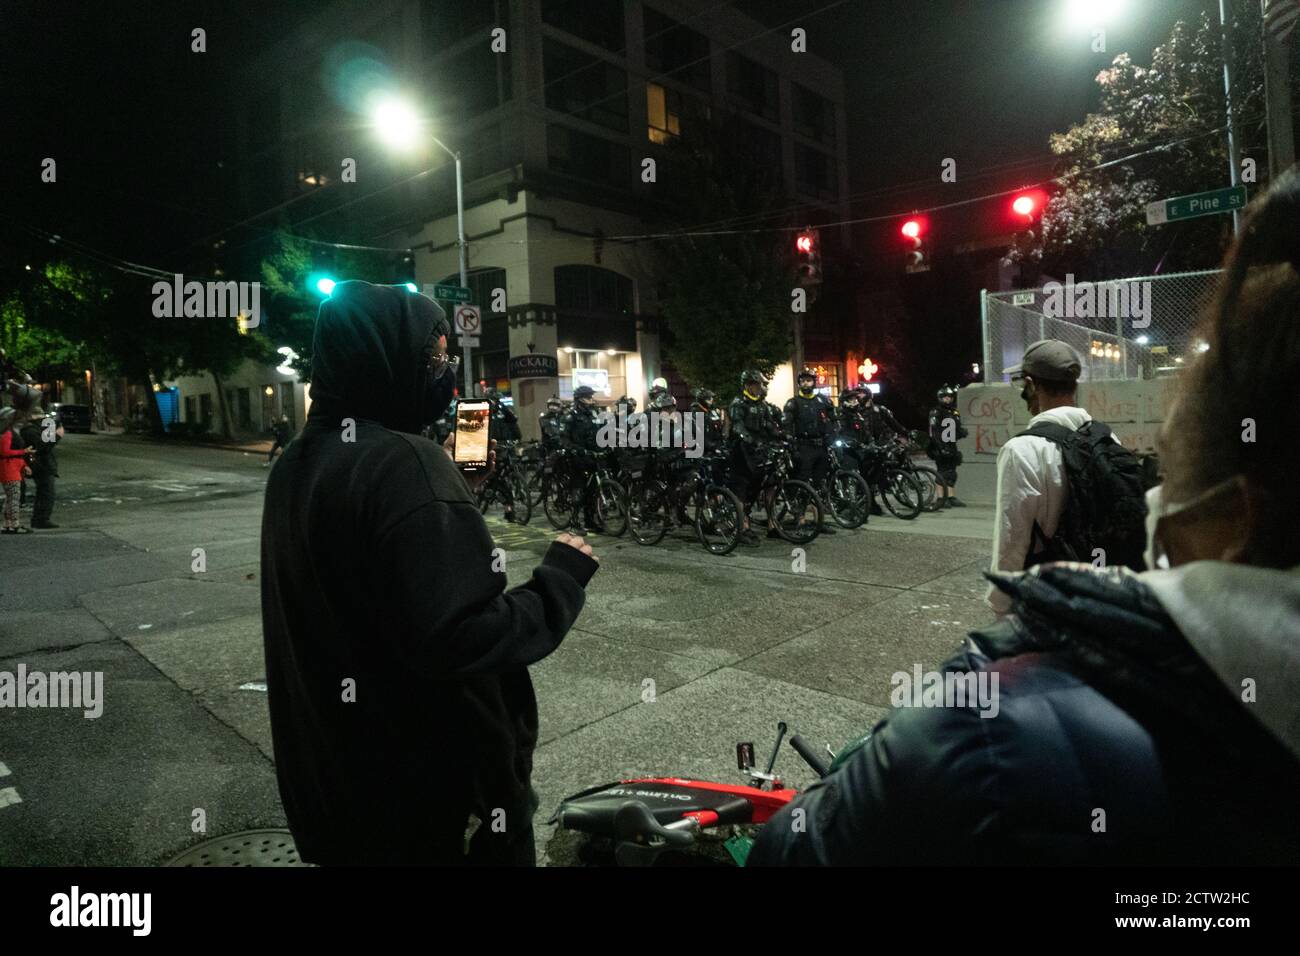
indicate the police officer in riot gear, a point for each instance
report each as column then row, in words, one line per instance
column 702, row 403
column 552, row 422
column 503, row 425
column 945, row 429
column 753, row 430
column 581, row 427
column 882, row 426
column 809, row 419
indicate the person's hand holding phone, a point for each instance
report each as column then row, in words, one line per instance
column 474, row 479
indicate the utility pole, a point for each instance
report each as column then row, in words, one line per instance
column 1277, row 96
column 1234, row 160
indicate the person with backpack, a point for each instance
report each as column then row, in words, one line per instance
column 1067, row 489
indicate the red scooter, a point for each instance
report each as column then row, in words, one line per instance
column 648, row 818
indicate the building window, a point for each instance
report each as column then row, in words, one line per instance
column 587, row 157
column 814, row 115
column 205, row 409
column 584, row 86
column 753, row 86
column 470, row 83
column 667, row 111
column 447, row 22
column 761, row 148
column 596, row 21
column 592, row 289
column 190, row 414
column 814, row 172
column 677, row 51
column 287, row 405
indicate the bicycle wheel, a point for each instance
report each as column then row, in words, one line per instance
column 719, row 518
column 557, row 502
column 533, row 483
column 611, row 508
column 519, row 497
column 929, row 481
column 849, row 498
column 902, row 495
column 797, row 512
column 647, row 513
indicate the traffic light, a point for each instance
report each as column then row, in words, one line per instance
column 1028, row 204
column 918, row 251
column 809, row 250
column 321, row 284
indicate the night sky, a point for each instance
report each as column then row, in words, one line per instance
column 138, row 123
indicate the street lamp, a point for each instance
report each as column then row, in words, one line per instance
column 398, row 125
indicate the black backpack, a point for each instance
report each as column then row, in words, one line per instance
column 1106, row 501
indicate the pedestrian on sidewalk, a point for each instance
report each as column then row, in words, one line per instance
column 282, row 431
column 402, row 712
column 41, row 434
column 13, row 459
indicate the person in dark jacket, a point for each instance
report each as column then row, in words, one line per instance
column 402, row 712
column 753, row 431
column 282, row 432
column 42, row 434
column 1148, row 718
column 945, row 430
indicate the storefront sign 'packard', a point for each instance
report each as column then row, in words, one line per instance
column 534, row 366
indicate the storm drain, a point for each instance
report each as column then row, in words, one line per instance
column 249, row 848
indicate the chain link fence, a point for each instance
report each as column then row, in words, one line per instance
column 1138, row 328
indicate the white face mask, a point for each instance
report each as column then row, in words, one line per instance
column 1154, row 501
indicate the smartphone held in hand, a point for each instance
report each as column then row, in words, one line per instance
column 471, row 446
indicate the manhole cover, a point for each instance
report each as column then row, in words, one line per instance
column 249, row 848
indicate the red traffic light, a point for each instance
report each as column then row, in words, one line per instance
column 804, row 243
column 1029, row 204
column 912, row 229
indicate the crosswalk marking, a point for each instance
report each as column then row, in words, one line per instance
column 4, row 771
column 9, row 796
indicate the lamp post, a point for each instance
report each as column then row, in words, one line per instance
column 398, row 125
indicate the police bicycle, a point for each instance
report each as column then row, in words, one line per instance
column 684, row 492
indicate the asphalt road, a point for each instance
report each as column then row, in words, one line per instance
column 731, row 644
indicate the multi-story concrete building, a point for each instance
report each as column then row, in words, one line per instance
column 554, row 106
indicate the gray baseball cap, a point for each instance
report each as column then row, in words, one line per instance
column 1050, row 360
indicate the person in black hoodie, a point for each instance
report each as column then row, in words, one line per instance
column 396, row 661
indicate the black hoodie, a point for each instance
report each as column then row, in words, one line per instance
column 396, row 660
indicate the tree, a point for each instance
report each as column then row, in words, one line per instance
column 725, row 299
column 292, row 306
column 1095, row 224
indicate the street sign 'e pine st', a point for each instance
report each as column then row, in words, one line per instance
column 1212, row 203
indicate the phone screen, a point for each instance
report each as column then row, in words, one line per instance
column 471, row 448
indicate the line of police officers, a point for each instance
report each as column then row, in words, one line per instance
column 809, row 421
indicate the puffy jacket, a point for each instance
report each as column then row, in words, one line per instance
column 1120, row 737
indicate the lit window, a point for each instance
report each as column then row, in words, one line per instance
column 663, row 113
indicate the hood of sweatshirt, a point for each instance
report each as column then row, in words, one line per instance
column 1244, row 622
column 370, row 355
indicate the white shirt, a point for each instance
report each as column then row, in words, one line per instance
column 1031, row 487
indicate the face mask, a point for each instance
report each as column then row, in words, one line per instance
column 751, row 396
column 806, row 392
column 1153, row 559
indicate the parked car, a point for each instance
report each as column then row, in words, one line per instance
column 73, row 418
